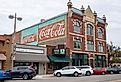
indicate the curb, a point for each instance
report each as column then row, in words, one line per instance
column 115, row 81
column 43, row 76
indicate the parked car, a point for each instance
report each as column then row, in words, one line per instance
column 68, row 70
column 86, row 70
column 114, row 70
column 25, row 72
column 99, row 71
column 4, row 75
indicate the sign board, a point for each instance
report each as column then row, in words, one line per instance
column 59, row 51
column 25, row 50
column 29, row 38
column 51, row 31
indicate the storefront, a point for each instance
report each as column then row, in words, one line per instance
column 100, row 61
column 58, row 60
column 79, row 59
column 26, row 55
column 2, row 59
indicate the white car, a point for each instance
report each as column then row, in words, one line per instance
column 86, row 70
column 68, row 70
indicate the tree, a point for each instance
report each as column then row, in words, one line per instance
column 114, row 53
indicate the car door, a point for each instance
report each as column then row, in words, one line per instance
column 83, row 69
column 65, row 71
column 21, row 71
column 71, row 70
column 15, row 72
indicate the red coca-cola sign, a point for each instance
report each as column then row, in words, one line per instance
column 29, row 39
column 52, row 31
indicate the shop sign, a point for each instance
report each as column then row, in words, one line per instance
column 25, row 50
column 29, row 39
column 52, row 31
column 62, row 51
column 56, row 51
column 59, row 51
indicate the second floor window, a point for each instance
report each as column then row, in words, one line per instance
column 100, row 47
column 100, row 33
column 77, row 43
column 90, row 46
column 76, row 26
column 89, row 29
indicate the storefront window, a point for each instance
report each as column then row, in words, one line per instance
column 79, row 59
column 100, row 61
column 22, row 63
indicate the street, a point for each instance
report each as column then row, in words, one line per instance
column 93, row 78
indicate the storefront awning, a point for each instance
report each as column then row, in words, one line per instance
column 59, row 59
column 2, row 57
column 31, row 57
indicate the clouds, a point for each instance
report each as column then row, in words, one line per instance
column 32, row 11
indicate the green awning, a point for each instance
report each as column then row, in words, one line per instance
column 59, row 59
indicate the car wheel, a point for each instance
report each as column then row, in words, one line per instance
column 25, row 76
column 30, row 77
column 103, row 73
column 58, row 74
column 76, row 74
column 111, row 72
column 88, row 73
column 119, row 72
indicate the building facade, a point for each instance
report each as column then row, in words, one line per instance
column 80, row 32
column 5, row 51
column 29, row 55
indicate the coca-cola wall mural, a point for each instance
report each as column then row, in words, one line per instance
column 53, row 32
column 29, row 35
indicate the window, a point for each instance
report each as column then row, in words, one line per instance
column 100, row 47
column 76, row 25
column 71, row 68
column 77, row 43
column 100, row 33
column 79, row 59
column 90, row 45
column 89, row 29
column 100, row 61
column 65, row 68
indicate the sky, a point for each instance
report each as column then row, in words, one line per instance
column 32, row 11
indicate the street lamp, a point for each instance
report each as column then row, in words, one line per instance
column 13, row 39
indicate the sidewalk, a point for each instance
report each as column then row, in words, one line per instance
column 43, row 76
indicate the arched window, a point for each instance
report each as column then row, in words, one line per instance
column 100, row 33
column 89, row 29
column 76, row 25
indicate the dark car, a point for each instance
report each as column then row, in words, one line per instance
column 4, row 75
column 114, row 70
column 25, row 72
column 99, row 71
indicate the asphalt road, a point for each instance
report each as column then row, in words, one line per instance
column 93, row 78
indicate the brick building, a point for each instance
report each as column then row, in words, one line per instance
column 76, row 37
column 5, row 51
